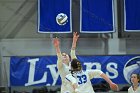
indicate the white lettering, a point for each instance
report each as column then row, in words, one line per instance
column 54, row 73
column 110, row 68
column 32, row 73
column 90, row 65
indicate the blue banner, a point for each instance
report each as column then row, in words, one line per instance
column 54, row 16
column 27, row 71
column 132, row 15
column 97, row 16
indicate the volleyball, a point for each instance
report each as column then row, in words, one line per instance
column 61, row 19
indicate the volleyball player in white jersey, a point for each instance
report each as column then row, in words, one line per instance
column 80, row 79
column 135, row 81
column 63, row 61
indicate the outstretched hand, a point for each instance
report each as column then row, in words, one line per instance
column 114, row 87
column 75, row 36
column 56, row 42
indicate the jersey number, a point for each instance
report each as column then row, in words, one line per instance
column 82, row 79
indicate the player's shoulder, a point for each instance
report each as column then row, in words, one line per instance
column 93, row 71
column 88, row 70
column 130, row 88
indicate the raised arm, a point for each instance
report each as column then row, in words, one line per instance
column 113, row 86
column 75, row 38
column 58, row 52
column 93, row 73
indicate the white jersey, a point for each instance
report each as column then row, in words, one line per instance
column 66, row 86
column 63, row 71
column 131, row 90
column 83, row 78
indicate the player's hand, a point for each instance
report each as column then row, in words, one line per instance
column 114, row 87
column 56, row 42
column 75, row 36
column 77, row 91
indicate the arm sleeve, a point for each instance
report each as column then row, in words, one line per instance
column 70, row 78
column 93, row 73
column 73, row 56
column 59, row 61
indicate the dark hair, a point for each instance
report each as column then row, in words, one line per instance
column 76, row 65
column 138, row 77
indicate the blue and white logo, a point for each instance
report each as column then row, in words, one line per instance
column 131, row 66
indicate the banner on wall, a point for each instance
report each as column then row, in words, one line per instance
column 54, row 16
column 97, row 16
column 132, row 15
column 27, row 71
